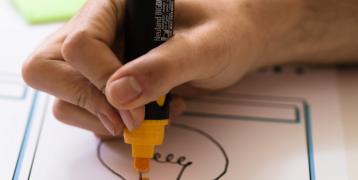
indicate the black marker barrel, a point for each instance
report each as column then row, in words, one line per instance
column 148, row 23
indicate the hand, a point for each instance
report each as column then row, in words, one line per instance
column 80, row 63
column 75, row 63
column 214, row 45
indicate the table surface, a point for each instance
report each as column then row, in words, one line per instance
column 348, row 84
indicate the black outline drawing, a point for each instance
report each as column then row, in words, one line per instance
column 99, row 157
column 280, row 99
column 169, row 158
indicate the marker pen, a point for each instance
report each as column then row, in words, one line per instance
column 148, row 23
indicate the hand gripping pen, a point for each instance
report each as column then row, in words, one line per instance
column 148, row 23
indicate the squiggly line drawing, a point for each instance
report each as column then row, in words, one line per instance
column 169, row 158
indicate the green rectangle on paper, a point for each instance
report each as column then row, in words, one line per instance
column 44, row 11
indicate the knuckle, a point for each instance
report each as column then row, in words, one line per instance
column 83, row 96
column 59, row 111
column 30, row 70
column 101, row 80
column 72, row 44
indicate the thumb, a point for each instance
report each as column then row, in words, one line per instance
column 154, row 74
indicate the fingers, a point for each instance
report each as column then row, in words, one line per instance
column 61, row 80
column 184, row 58
column 45, row 69
column 76, row 116
column 148, row 77
column 76, row 66
column 132, row 118
column 91, row 57
column 87, row 47
column 99, row 19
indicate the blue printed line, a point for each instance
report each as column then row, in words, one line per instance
column 297, row 115
column 296, row 120
column 240, row 117
column 309, row 139
column 24, row 93
column 21, row 97
column 308, row 128
column 25, row 138
column 11, row 76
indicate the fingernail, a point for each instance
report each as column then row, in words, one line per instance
column 126, row 89
column 107, row 123
column 127, row 119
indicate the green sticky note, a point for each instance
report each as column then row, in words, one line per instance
column 44, row 11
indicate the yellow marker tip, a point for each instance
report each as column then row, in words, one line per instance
column 141, row 164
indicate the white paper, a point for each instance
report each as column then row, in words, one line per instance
column 19, row 104
column 271, row 126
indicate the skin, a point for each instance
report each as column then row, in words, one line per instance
column 214, row 46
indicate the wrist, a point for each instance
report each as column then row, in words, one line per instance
column 274, row 24
column 304, row 31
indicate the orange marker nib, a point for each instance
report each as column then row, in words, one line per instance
column 141, row 164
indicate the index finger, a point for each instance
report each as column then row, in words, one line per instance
column 87, row 47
